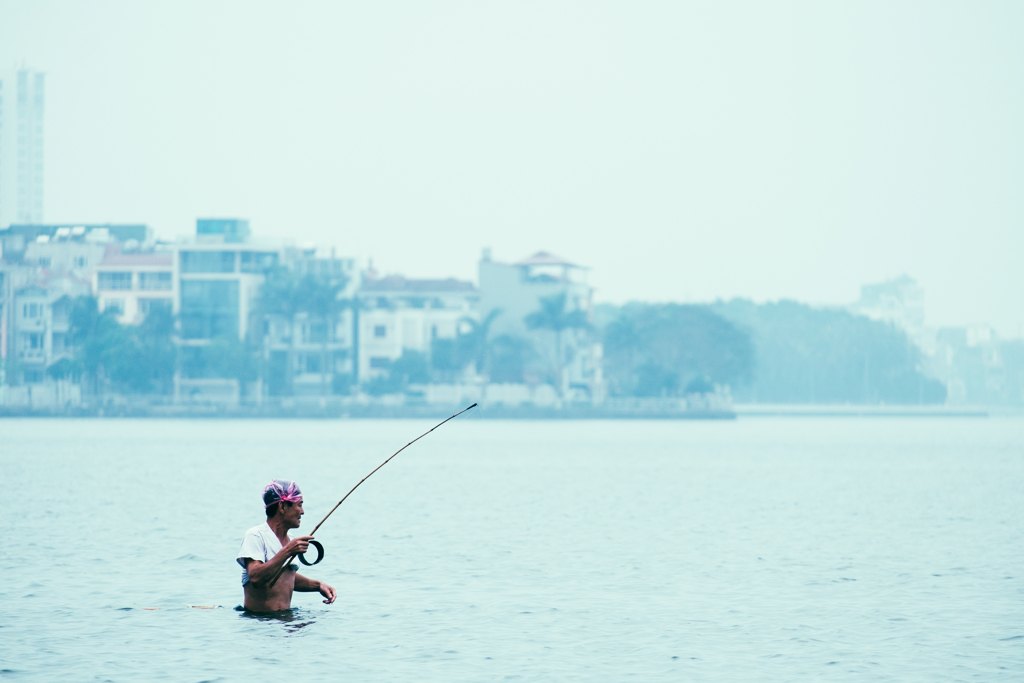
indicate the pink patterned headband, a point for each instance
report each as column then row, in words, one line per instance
column 281, row 491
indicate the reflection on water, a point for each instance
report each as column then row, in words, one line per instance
column 294, row 620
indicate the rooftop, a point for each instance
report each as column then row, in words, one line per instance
column 115, row 257
column 399, row 283
column 543, row 258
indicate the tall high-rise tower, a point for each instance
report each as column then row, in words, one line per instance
column 21, row 146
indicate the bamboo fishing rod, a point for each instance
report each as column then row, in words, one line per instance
column 280, row 571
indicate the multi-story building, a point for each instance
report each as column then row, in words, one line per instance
column 398, row 314
column 309, row 345
column 68, row 247
column 42, row 269
column 900, row 302
column 216, row 283
column 970, row 361
column 41, row 325
column 22, row 99
column 132, row 283
column 222, row 230
column 513, row 291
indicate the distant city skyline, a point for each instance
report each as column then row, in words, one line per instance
column 684, row 154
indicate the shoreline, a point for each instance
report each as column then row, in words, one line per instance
column 361, row 412
column 317, row 410
column 813, row 410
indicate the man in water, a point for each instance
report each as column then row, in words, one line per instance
column 266, row 548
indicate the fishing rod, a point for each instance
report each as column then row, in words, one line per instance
column 320, row 548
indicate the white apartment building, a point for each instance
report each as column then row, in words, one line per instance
column 899, row 301
column 215, row 287
column 398, row 314
column 62, row 254
column 515, row 290
column 22, row 98
column 132, row 284
column 40, row 325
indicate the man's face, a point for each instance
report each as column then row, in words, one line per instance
column 292, row 514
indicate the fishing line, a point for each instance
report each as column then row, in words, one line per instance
column 319, row 547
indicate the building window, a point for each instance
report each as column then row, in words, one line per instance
column 153, row 281
column 33, row 376
column 257, row 261
column 114, row 306
column 209, row 308
column 380, row 331
column 80, row 261
column 147, row 306
column 312, row 362
column 380, row 362
column 316, row 333
column 115, row 280
column 207, row 261
column 31, row 310
column 35, row 341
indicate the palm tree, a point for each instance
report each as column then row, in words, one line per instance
column 286, row 295
column 552, row 316
column 474, row 342
column 279, row 297
column 319, row 299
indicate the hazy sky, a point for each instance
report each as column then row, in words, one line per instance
column 683, row 151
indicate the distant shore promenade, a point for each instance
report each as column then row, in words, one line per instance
column 347, row 407
column 846, row 410
column 613, row 409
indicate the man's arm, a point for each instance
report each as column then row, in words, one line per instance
column 260, row 573
column 305, row 585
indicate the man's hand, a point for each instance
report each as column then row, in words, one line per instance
column 298, row 545
column 327, row 592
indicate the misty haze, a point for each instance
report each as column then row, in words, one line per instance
column 719, row 305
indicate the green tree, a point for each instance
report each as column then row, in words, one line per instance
column 159, row 351
column 286, row 295
column 509, row 358
column 280, row 298
column 824, row 355
column 553, row 316
column 446, row 361
column 321, row 300
column 449, row 357
column 222, row 358
column 100, row 344
column 656, row 349
column 472, row 345
column 411, row 367
column 130, row 359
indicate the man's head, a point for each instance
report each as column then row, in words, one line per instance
column 283, row 499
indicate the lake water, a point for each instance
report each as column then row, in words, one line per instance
column 760, row 549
